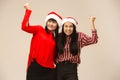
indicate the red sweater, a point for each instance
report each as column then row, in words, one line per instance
column 42, row 46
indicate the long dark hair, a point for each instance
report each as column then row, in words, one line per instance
column 73, row 43
column 56, row 30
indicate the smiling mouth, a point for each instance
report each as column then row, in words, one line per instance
column 68, row 31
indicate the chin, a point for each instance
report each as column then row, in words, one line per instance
column 68, row 34
column 50, row 29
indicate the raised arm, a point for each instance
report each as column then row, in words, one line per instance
column 25, row 23
column 87, row 40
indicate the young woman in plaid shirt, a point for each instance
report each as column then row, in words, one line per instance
column 69, row 45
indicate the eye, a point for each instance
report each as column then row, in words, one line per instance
column 71, row 26
column 65, row 26
column 54, row 22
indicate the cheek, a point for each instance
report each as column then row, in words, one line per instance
column 64, row 30
column 55, row 26
column 47, row 24
column 72, row 30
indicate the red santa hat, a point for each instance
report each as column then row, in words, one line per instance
column 55, row 16
column 69, row 19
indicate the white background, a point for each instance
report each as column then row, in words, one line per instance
column 99, row 62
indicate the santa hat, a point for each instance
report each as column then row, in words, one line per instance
column 55, row 16
column 69, row 19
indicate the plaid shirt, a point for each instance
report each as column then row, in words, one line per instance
column 83, row 40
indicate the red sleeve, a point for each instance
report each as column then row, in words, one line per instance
column 25, row 23
column 87, row 40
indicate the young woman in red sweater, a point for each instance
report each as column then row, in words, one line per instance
column 43, row 46
column 69, row 45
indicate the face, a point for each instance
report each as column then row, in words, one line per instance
column 68, row 28
column 51, row 25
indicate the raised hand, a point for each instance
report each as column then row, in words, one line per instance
column 92, row 19
column 26, row 6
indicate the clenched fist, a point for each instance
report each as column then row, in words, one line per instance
column 92, row 18
column 26, row 6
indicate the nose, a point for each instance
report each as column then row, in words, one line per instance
column 68, row 28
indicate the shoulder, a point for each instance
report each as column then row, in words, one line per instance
column 40, row 27
column 80, row 35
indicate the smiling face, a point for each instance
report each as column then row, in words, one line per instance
column 68, row 28
column 51, row 24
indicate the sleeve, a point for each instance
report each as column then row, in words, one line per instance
column 86, row 40
column 25, row 23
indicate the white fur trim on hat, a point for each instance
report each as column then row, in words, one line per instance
column 54, row 16
column 69, row 19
